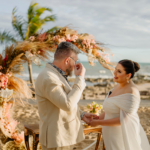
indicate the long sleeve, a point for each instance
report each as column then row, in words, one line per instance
column 55, row 93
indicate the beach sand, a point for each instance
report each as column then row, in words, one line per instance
column 28, row 114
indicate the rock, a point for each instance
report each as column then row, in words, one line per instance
column 144, row 93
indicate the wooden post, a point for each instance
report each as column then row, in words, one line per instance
column 104, row 147
column 99, row 136
column 30, row 73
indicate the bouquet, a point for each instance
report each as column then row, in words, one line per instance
column 94, row 107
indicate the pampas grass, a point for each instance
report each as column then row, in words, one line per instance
column 20, row 87
column 11, row 60
column 11, row 145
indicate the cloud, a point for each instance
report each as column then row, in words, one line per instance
column 121, row 24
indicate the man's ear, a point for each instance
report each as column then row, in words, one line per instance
column 66, row 61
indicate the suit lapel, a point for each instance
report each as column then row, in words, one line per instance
column 67, row 87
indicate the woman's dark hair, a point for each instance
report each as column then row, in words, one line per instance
column 130, row 66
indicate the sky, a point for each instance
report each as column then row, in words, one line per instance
column 122, row 25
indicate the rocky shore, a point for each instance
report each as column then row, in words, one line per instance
column 98, row 88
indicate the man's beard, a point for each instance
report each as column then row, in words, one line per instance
column 69, row 72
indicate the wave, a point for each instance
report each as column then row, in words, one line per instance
column 25, row 76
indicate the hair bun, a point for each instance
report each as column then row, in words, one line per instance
column 136, row 66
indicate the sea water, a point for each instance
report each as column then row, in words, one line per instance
column 96, row 71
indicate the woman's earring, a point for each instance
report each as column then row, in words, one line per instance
column 127, row 80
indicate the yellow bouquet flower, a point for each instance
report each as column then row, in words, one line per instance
column 94, row 107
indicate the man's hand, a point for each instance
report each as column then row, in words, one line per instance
column 79, row 70
column 94, row 123
column 88, row 117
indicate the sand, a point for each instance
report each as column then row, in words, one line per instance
column 29, row 115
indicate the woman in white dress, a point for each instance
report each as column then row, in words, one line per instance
column 121, row 126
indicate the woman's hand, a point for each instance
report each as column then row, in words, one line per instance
column 108, row 122
column 88, row 117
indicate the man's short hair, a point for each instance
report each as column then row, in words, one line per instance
column 64, row 49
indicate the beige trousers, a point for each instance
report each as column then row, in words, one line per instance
column 57, row 148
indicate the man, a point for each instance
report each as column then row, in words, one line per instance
column 60, row 124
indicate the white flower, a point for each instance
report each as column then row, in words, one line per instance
column 28, row 55
column 33, row 58
column 90, row 52
column 36, row 60
column 32, row 38
column 5, row 93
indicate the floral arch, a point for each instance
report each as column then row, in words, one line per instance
column 36, row 48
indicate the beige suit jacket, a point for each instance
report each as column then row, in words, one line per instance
column 60, row 123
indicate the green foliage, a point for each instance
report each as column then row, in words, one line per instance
column 35, row 22
column 25, row 28
column 6, row 37
column 53, row 30
column 18, row 23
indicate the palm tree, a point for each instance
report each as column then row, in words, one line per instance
column 25, row 28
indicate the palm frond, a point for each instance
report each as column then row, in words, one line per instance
column 32, row 29
column 18, row 23
column 31, row 11
column 39, row 11
column 106, row 65
column 8, row 51
column 49, row 18
column 11, row 60
column 15, row 62
column 34, row 21
column 6, row 37
column 54, row 29
column 37, row 23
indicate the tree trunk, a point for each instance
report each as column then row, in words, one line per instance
column 30, row 74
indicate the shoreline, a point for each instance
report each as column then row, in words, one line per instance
column 97, row 89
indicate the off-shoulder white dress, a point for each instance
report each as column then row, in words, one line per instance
column 130, row 134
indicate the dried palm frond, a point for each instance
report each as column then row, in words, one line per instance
column 17, row 69
column 20, row 87
column 33, row 46
column 39, row 49
column 105, row 65
column 66, row 30
column 16, row 61
column 85, row 36
column 44, row 56
column 8, row 51
column 11, row 60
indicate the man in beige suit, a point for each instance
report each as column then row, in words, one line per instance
column 60, row 120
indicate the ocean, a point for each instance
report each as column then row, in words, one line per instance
column 96, row 71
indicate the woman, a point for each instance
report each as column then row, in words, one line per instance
column 121, row 126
